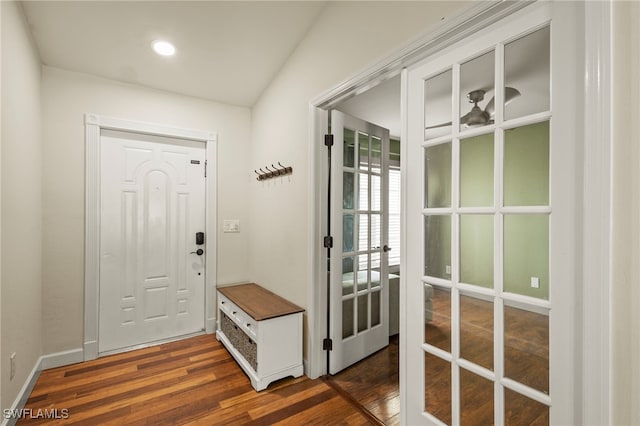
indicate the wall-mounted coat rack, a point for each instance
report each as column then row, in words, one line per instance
column 277, row 171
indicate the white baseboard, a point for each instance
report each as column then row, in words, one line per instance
column 210, row 325
column 61, row 358
column 46, row 361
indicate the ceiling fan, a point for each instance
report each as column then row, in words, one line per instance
column 478, row 116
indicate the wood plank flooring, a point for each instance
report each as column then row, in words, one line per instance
column 374, row 383
column 193, row 381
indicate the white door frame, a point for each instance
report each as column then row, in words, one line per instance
column 593, row 311
column 93, row 125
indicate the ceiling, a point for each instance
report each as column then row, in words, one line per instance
column 526, row 69
column 227, row 51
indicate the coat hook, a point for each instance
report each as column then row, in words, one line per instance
column 278, row 171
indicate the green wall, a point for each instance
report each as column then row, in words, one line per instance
column 526, row 236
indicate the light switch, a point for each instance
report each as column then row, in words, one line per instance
column 231, row 226
column 447, row 269
column 535, row 282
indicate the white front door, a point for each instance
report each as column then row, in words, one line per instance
column 489, row 278
column 359, row 309
column 152, row 205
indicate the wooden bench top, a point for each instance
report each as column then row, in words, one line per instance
column 259, row 302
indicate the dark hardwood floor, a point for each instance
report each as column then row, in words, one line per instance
column 374, row 383
column 193, row 381
column 196, row 381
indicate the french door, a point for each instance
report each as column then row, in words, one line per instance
column 488, row 273
column 359, row 309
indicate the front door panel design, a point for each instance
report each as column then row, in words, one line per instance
column 152, row 206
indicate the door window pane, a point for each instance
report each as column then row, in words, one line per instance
column 363, row 141
column 437, row 384
column 437, row 105
column 520, row 410
column 437, row 317
column 363, row 312
column 477, row 79
column 362, row 275
column 376, row 229
column 526, row 69
column 375, row 269
column 476, row 171
column 526, row 347
column 437, row 165
column 437, row 246
column 348, row 284
column 476, row 330
column 476, row 399
column 347, row 318
column 363, row 232
column 526, row 165
column 476, row 250
column 347, row 233
column 375, row 308
column 363, row 191
column 376, row 192
column 526, row 255
column 376, row 154
column 348, row 191
column 349, row 148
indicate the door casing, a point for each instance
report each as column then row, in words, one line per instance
column 94, row 123
column 594, row 262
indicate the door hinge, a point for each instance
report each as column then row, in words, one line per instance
column 205, row 168
column 327, row 345
column 328, row 140
column 328, row 242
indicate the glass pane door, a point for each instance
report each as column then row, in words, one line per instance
column 359, row 292
column 479, row 228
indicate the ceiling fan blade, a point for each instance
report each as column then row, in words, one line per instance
column 510, row 94
column 438, row 125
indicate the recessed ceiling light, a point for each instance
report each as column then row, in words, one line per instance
column 163, row 48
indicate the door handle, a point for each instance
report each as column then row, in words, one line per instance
column 199, row 252
column 386, row 248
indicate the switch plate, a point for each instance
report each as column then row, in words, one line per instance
column 447, row 269
column 231, row 226
column 12, row 359
column 535, row 282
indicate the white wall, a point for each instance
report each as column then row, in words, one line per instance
column 626, row 215
column 21, row 203
column 347, row 37
column 66, row 97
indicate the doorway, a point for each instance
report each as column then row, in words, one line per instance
column 184, row 301
column 152, row 239
column 568, row 345
column 366, row 205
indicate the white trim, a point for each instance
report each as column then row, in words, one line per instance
column 59, row 359
column 596, row 315
column 317, row 302
column 93, row 125
column 23, row 395
column 44, row 362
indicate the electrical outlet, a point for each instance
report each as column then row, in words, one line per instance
column 12, row 359
column 535, row 282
